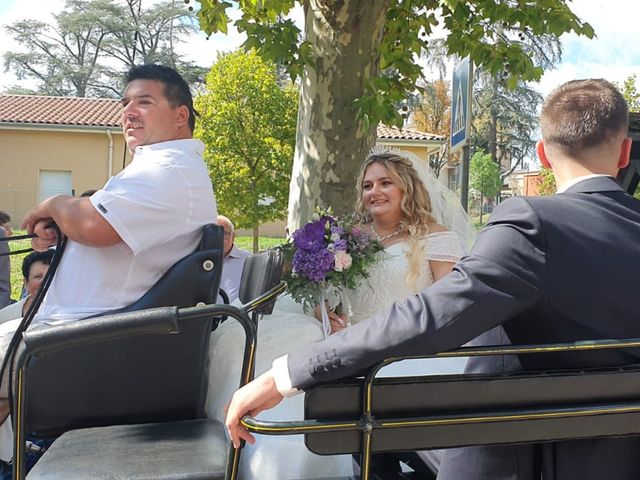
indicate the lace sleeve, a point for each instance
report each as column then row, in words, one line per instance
column 443, row 246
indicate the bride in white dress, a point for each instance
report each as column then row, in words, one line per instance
column 395, row 208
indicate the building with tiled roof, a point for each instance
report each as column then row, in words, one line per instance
column 97, row 113
column 68, row 144
column 56, row 145
column 407, row 135
column 423, row 144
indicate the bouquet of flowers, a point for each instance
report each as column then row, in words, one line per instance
column 326, row 256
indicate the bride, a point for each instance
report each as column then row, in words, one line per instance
column 424, row 231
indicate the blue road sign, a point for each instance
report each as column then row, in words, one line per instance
column 461, row 104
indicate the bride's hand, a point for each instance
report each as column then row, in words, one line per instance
column 336, row 321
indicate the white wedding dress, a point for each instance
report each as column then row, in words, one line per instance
column 288, row 328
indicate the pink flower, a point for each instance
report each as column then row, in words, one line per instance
column 342, row 261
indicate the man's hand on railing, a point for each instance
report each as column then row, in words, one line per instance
column 46, row 235
column 258, row 395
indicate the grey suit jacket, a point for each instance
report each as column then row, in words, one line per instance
column 5, row 272
column 548, row 269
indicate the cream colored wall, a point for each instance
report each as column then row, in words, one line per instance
column 23, row 153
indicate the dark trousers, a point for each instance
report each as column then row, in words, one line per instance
column 390, row 463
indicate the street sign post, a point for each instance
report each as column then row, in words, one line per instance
column 461, row 97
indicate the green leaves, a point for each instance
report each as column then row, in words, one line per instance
column 484, row 175
column 248, row 125
column 487, row 30
column 276, row 38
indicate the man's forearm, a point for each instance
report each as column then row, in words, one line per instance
column 77, row 219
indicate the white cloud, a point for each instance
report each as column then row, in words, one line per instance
column 611, row 54
column 14, row 10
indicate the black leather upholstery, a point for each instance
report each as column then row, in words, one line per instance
column 150, row 451
column 261, row 272
column 439, row 399
column 176, row 446
column 158, row 377
column 188, row 282
column 160, row 320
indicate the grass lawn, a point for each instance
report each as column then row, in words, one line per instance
column 246, row 243
column 16, row 264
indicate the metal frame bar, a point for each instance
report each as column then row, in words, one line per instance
column 367, row 423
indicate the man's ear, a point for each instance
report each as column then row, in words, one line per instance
column 625, row 152
column 182, row 117
column 542, row 155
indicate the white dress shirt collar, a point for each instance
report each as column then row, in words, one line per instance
column 577, row 180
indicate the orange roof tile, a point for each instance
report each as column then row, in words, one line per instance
column 33, row 109
column 395, row 133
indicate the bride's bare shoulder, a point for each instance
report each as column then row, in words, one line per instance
column 437, row 228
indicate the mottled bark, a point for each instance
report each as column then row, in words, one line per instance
column 256, row 239
column 330, row 144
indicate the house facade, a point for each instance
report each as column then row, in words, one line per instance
column 53, row 145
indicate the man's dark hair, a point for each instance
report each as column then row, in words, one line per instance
column 44, row 257
column 175, row 87
column 4, row 217
column 582, row 114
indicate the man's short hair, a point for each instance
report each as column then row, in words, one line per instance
column 4, row 217
column 44, row 257
column 581, row 114
column 176, row 89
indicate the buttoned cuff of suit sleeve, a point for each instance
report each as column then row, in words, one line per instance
column 280, row 369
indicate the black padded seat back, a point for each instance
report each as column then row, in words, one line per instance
column 140, row 379
column 191, row 280
column 439, row 399
column 261, row 272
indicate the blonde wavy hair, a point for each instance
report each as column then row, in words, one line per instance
column 415, row 206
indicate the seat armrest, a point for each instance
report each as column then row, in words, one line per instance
column 161, row 320
column 258, row 304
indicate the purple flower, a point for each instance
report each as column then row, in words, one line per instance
column 313, row 265
column 310, row 237
column 337, row 229
column 340, row 244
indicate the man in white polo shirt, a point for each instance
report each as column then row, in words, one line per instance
column 126, row 235
column 234, row 258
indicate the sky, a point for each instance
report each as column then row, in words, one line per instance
column 612, row 55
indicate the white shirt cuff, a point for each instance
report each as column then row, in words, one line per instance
column 280, row 369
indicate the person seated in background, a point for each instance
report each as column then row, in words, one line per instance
column 234, row 258
column 5, row 268
column 34, row 268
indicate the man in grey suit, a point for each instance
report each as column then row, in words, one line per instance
column 547, row 269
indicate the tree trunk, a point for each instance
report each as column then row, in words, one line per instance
column 493, row 123
column 256, row 238
column 330, row 145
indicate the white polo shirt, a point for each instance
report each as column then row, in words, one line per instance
column 158, row 205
